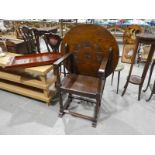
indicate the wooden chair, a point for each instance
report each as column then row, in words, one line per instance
column 117, row 32
column 118, row 69
column 152, row 86
column 88, row 61
column 52, row 41
column 30, row 39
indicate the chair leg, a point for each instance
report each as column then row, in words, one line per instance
column 139, row 93
column 64, row 70
column 112, row 78
column 61, row 111
column 94, row 124
column 125, row 87
column 69, row 101
column 118, row 82
column 70, row 97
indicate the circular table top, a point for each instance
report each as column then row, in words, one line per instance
column 90, row 43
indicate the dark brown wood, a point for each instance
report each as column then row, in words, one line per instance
column 90, row 43
column 38, row 32
column 134, row 79
column 78, row 83
column 152, row 86
column 44, row 30
column 32, row 60
column 30, row 39
column 91, row 55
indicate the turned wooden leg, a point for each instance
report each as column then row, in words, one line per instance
column 94, row 124
column 139, row 93
column 118, row 81
column 61, row 111
column 125, row 87
column 67, row 104
column 112, row 78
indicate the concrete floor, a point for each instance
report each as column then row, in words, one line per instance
column 118, row 115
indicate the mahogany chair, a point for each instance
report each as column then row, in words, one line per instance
column 89, row 59
column 52, row 41
column 30, row 39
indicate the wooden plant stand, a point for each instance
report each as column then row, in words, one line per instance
column 135, row 79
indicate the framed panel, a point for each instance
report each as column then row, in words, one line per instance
column 128, row 50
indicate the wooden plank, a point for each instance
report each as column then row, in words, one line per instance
column 42, row 70
column 27, row 80
column 9, row 76
column 25, row 91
